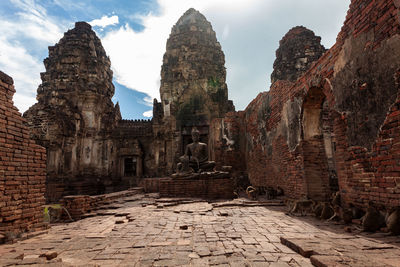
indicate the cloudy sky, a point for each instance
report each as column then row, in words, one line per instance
column 134, row 35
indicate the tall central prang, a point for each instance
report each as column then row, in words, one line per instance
column 193, row 89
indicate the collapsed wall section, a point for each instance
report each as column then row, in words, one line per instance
column 22, row 169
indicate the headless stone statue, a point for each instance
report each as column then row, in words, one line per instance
column 196, row 156
column 183, row 167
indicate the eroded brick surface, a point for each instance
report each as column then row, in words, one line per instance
column 22, row 170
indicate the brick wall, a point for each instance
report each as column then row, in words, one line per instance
column 201, row 188
column 150, row 185
column 78, row 205
column 370, row 172
column 355, row 86
column 373, row 174
column 22, row 168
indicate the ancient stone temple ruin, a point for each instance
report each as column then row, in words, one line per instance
column 329, row 122
column 74, row 115
column 90, row 149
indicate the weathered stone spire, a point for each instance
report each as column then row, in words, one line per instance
column 77, row 78
column 193, row 72
column 77, row 64
column 75, row 117
column 298, row 49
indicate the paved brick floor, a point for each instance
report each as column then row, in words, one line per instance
column 150, row 232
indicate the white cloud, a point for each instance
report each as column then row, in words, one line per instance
column 33, row 22
column 105, row 21
column 23, row 102
column 249, row 32
column 148, row 114
column 33, row 25
column 24, row 69
column 225, row 33
column 71, row 5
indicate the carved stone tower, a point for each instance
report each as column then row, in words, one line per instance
column 193, row 89
column 74, row 116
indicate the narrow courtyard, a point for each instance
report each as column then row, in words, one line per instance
column 145, row 230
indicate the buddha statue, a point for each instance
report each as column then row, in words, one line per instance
column 195, row 158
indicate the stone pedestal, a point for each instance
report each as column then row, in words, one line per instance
column 208, row 185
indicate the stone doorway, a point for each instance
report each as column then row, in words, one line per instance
column 130, row 166
column 130, row 160
column 318, row 148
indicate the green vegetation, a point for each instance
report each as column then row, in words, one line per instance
column 214, row 82
column 220, row 94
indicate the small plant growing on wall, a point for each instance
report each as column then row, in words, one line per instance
column 214, row 82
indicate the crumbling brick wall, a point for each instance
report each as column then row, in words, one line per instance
column 78, row 205
column 22, row 169
column 352, row 122
column 365, row 91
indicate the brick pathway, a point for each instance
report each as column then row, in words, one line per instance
column 147, row 232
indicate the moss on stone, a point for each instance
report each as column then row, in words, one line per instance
column 214, row 82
